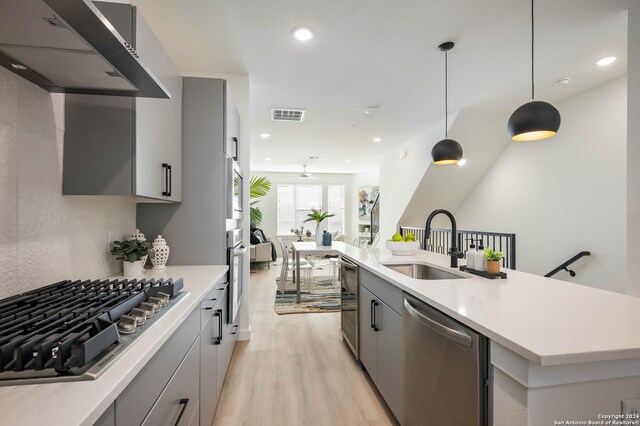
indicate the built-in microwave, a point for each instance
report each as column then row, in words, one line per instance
column 234, row 188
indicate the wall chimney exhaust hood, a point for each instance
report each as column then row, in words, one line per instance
column 69, row 46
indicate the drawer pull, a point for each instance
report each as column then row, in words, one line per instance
column 184, row 402
column 218, row 339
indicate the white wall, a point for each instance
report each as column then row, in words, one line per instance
column 633, row 149
column 45, row 236
column 566, row 194
column 401, row 171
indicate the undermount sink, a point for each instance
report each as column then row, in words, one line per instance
column 422, row 272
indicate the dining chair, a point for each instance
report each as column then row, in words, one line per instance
column 289, row 264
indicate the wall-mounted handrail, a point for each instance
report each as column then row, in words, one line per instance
column 440, row 241
column 565, row 265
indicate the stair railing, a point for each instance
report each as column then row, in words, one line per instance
column 565, row 265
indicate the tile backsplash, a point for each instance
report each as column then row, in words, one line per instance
column 45, row 236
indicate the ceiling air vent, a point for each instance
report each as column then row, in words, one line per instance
column 286, row 114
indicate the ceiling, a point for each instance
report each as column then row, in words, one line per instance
column 384, row 53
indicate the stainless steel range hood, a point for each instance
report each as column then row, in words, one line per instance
column 69, row 46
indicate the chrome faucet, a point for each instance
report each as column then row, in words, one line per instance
column 453, row 251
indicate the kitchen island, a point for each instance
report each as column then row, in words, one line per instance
column 84, row 402
column 559, row 351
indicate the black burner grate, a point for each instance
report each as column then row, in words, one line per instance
column 60, row 328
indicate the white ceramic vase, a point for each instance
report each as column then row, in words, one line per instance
column 133, row 269
column 161, row 253
column 320, row 228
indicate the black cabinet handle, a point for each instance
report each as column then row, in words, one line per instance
column 218, row 339
column 184, row 402
column 235, row 153
column 165, row 193
column 374, row 324
column 170, row 180
column 371, row 314
column 235, row 329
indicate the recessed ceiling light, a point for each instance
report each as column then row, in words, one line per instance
column 606, row 61
column 267, row 158
column 264, row 135
column 371, row 110
column 303, row 33
column 462, row 162
column 347, row 161
column 564, row 81
column 377, row 139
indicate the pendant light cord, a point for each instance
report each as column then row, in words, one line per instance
column 532, row 55
column 446, row 94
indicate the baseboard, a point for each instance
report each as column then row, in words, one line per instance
column 244, row 334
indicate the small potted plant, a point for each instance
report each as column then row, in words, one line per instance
column 493, row 261
column 131, row 252
column 318, row 216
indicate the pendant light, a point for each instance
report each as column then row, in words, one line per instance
column 447, row 151
column 534, row 120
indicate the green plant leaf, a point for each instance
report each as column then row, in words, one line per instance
column 259, row 186
column 255, row 217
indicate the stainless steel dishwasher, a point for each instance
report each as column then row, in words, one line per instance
column 349, row 304
column 445, row 369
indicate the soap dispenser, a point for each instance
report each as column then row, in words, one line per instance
column 480, row 263
column 471, row 256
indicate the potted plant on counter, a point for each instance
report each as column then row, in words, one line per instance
column 318, row 216
column 131, row 252
column 493, row 261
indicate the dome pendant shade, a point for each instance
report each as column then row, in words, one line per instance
column 447, row 151
column 534, row 121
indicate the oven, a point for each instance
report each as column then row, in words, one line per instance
column 235, row 258
column 234, row 190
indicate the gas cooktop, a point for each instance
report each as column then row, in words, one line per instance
column 73, row 330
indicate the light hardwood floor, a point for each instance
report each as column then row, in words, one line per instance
column 295, row 370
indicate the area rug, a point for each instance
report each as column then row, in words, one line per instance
column 321, row 295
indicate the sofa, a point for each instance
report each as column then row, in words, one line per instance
column 262, row 250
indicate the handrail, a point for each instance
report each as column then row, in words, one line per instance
column 565, row 265
column 440, row 241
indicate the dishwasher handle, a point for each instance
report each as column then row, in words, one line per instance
column 455, row 335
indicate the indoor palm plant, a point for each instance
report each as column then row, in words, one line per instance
column 493, row 261
column 131, row 252
column 259, row 186
column 318, row 216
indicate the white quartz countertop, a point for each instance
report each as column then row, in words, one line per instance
column 547, row 321
column 82, row 403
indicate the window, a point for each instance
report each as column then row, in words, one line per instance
column 335, row 201
column 294, row 203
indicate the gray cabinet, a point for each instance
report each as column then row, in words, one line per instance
column 368, row 351
column 135, row 402
column 127, row 146
column 108, row 418
column 196, row 228
column 209, row 344
column 178, row 402
column 227, row 343
column 381, row 347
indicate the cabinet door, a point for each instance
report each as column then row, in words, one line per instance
column 209, row 369
column 179, row 401
column 232, row 125
column 389, row 371
column 368, row 336
column 158, row 124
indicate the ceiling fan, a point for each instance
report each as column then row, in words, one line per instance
column 305, row 174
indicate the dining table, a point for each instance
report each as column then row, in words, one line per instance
column 304, row 248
